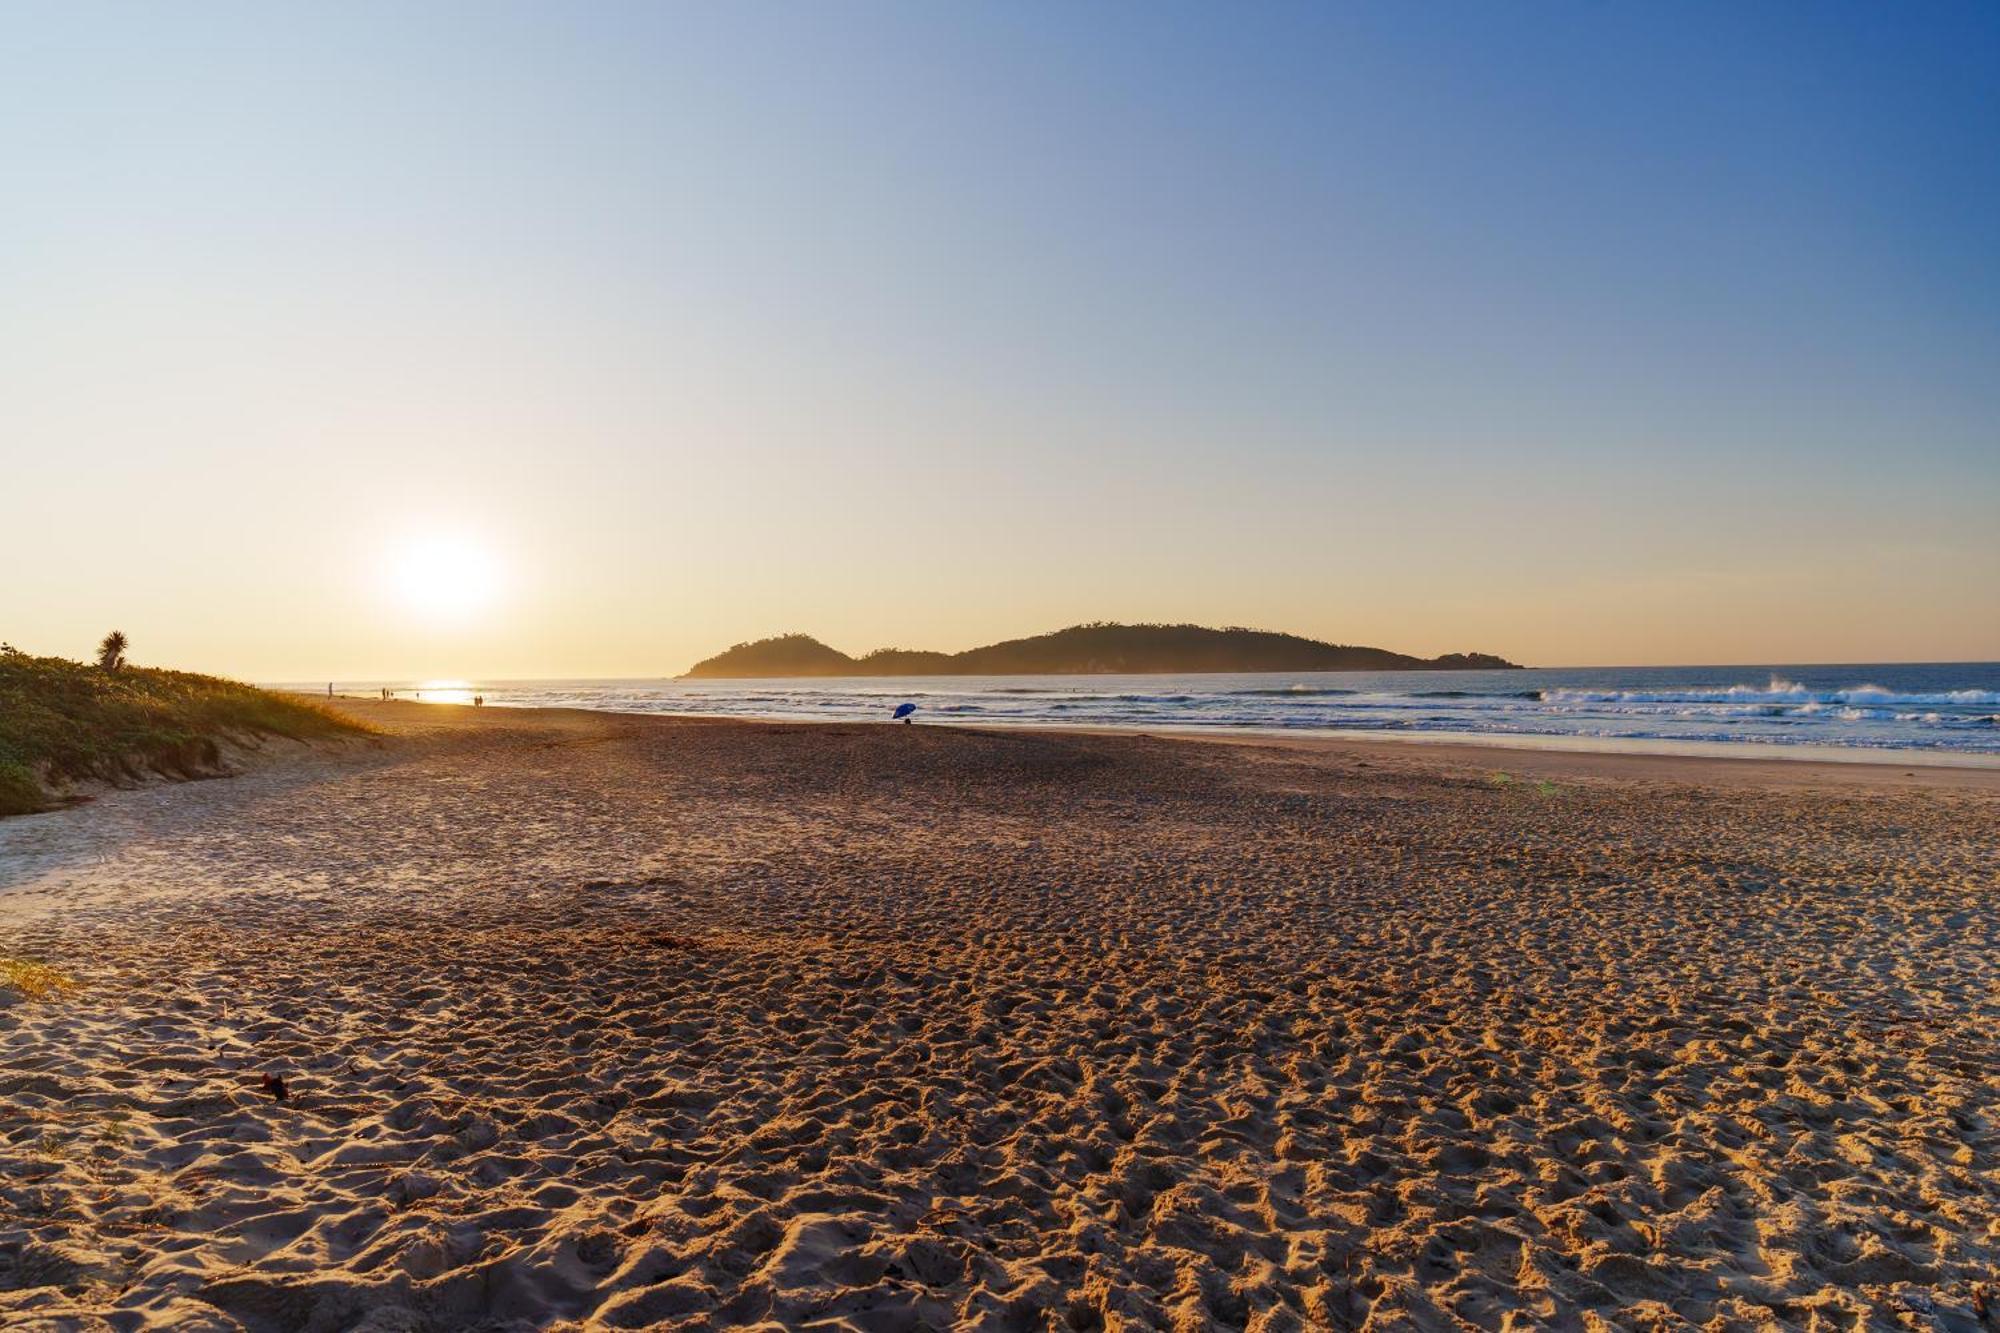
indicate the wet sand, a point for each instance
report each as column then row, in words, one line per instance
column 596, row 1021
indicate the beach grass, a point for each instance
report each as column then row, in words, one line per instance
column 64, row 721
column 36, row 981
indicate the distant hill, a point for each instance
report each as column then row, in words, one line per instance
column 1099, row 649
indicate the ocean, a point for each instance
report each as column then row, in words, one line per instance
column 1947, row 707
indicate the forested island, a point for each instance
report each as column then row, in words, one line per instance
column 1096, row 649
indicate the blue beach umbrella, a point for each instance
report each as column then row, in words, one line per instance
column 902, row 713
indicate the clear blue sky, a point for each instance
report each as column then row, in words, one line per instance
column 1580, row 333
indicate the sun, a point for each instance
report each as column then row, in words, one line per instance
column 446, row 578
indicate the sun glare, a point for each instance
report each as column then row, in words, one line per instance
column 445, row 578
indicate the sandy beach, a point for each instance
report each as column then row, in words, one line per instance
column 593, row 1021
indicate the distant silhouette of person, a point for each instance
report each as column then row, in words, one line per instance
column 478, row 701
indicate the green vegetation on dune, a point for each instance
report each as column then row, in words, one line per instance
column 63, row 721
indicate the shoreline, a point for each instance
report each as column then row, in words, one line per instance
column 1634, row 754
column 1630, row 758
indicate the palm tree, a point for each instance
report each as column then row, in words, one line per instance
column 111, row 653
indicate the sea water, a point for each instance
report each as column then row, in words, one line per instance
column 1952, row 707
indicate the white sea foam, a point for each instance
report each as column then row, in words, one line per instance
column 1777, row 692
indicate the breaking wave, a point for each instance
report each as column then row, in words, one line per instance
column 1778, row 691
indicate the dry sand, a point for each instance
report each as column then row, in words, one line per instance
column 594, row 1021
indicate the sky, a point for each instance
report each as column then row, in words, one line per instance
column 368, row 341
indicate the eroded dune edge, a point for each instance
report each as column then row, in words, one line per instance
column 589, row 1021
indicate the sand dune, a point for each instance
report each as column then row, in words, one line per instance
column 588, row 1021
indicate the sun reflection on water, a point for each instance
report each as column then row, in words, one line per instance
column 445, row 691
